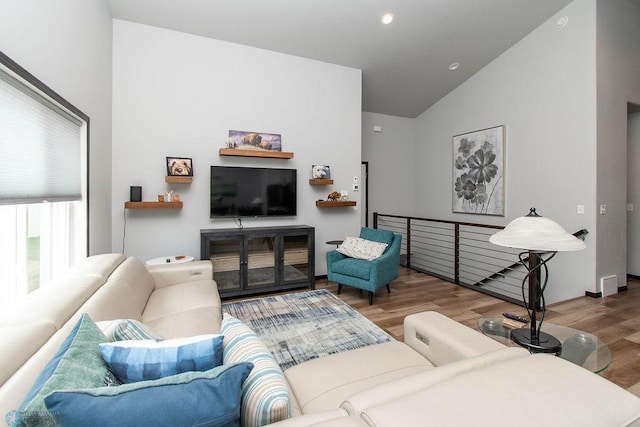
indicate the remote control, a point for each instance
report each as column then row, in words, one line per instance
column 515, row 317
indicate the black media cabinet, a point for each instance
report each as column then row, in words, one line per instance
column 249, row 261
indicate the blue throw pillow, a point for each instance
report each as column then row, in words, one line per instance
column 210, row 398
column 141, row 360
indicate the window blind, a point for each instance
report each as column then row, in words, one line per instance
column 40, row 146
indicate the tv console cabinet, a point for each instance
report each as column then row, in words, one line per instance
column 249, row 261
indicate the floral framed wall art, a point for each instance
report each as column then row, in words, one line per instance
column 478, row 172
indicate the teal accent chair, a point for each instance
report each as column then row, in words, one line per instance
column 367, row 275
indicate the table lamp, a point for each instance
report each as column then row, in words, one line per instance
column 539, row 237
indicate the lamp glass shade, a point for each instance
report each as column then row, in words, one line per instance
column 536, row 233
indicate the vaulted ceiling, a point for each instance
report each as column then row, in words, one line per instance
column 405, row 65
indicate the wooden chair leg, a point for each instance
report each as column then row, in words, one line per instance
column 370, row 298
column 388, row 289
column 339, row 288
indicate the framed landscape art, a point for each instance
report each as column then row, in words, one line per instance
column 478, row 172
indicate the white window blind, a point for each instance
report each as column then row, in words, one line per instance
column 40, row 146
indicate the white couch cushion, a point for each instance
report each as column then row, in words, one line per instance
column 324, row 383
column 191, row 308
column 529, row 391
column 395, row 389
column 23, row 341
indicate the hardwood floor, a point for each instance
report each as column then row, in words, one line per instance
column 614, row 319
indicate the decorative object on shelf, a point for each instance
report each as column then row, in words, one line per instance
column 168, row 195
column 320, row 172
column 175, row 198
column 161, row 197
column 344, row 195
column 478, row 172
column 179, row 166
column 135, row 193
column 334, row 195
column 254, row 141
column 539, row 237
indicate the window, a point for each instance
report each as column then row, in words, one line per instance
column 43, row 184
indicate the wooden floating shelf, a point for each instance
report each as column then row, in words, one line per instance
column 255, row 153
column 336, row 204
column 320, row 181
column 178, row 179
column 153, row 205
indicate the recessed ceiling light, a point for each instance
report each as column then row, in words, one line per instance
column 454, row 66
column 387, row 18
column 562, row 21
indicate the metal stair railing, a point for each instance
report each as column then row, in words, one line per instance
column 459, row 252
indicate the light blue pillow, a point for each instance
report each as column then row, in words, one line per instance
column 210, row 398
column 141, row 360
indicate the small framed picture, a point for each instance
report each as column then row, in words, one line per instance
column 320, row 172
column 179, row 166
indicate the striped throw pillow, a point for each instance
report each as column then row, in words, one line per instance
column 265, row 393
column 127, row 329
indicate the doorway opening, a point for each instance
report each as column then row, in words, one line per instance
column 364, row 191
column 633, row 191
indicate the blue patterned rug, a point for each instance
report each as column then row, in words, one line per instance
column 302, row 326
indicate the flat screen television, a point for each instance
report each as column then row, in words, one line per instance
column 252, row 192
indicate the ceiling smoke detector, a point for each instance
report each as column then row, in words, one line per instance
column 454, row 66
column 387, row 18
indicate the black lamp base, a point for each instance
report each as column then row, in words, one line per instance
column 544, row 344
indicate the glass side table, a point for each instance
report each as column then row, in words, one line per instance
column 581, row 348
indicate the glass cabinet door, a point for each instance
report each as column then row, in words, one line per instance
column 296, row 258
column 261, row 261
column 225, row 256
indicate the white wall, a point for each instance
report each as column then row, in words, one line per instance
column 543, row 91
column 67, row 45
column 633, row 194
column 176, row 94
column 618, row 52
column 391, row 163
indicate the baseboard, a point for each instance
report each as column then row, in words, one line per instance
column 322, row 277
column 599, row 294
column 633, row 277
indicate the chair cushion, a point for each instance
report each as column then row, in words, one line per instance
column 188, row 399
column 353, row 267
column 373, row 234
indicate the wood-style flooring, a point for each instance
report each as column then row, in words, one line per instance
column 614, row 319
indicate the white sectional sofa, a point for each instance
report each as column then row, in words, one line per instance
column 443, row 374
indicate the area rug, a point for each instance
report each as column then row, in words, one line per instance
column 303, row 326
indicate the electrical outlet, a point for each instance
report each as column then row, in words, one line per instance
column 603, row 209
column 629, row 207
column 356, row 187
column 580, row 210
column 355, row 179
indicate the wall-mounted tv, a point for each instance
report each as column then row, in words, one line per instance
column 252, row 192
